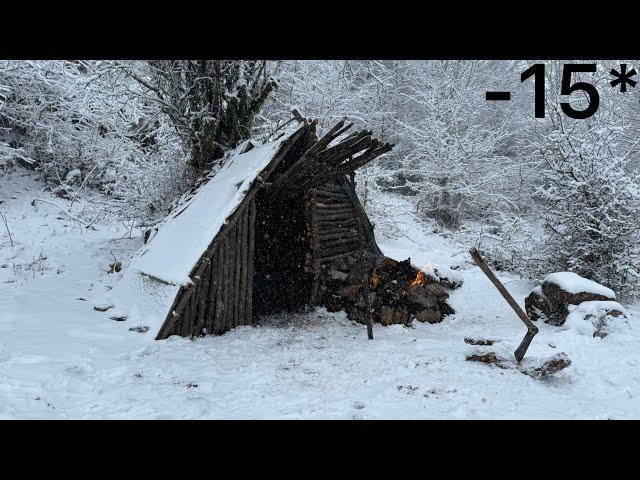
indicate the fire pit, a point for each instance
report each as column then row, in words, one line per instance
column 398, row 293
column 401, row 293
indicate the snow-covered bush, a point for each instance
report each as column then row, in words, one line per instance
column 66, row 116
column 6, row 151
column 590, row 202
column 362, row 91
column 83, row 125
column 587, row 187
column 453, row 152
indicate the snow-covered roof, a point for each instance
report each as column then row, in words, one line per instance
column 188, row 231
column 573, row 283
column 158, row 270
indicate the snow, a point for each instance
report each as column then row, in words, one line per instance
column 149, row 286
column 573, row 283
column 61, row 359
column 443, row 272
column 185, row 235
column 584, row 318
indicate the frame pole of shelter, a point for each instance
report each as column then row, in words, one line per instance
column 365, row 270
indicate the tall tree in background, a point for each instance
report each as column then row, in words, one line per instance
column 211, row 103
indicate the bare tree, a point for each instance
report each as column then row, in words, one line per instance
column 210, row 103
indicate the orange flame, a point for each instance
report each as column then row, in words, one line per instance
column 421, row 278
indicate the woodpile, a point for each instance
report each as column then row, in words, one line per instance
column 401, row 293
column 397, row 293
column 322, row 163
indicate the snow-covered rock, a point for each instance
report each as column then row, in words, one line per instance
column 550, row 299
column 568, row 287
column 595, row 318
column 536, row 304
column 561, row 289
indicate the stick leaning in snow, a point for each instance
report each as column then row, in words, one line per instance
column 534, row 367
column 532, row 330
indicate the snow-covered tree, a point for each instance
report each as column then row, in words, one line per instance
column 211, row 104
column 590, row 204
column 455, row 148
column 83, row 125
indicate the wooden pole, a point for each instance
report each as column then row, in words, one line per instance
column 224, row 285
column 243, row 259
column 238, row 296
column 365, row 270
column 252, row 251
column 213, row 312
column 532, row 330
column 210, row 305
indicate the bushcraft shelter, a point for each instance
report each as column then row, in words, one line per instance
column 278, row 227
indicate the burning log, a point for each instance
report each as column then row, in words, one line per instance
column 397, row 293
column 402, row 293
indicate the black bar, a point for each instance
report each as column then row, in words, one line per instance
column 498, row 95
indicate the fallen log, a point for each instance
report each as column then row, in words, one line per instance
column 534, row 367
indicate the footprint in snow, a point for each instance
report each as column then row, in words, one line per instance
column 4, row 356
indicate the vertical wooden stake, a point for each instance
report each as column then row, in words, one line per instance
column 365, row 271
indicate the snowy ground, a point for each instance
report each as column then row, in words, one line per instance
column 61, row 359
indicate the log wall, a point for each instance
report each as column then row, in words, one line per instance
column 221, row 295
column 341, row 241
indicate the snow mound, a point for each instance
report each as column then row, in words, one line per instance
column 594, row 318
column 573, row 283
column 443, row 274
column 142, row 299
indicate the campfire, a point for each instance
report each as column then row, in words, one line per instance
column 398, row 293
